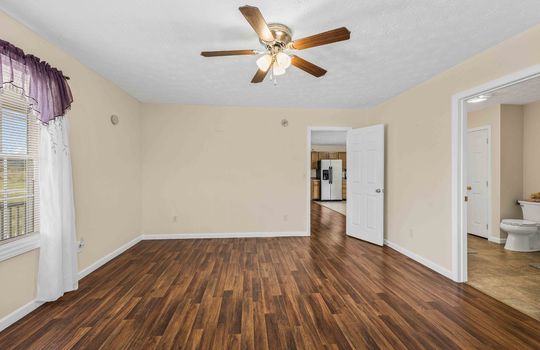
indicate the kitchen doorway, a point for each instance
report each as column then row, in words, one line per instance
column 327, row 172
column 346, row 179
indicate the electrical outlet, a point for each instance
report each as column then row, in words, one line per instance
column 285, row 217
column 175, row 218
column 80, row 245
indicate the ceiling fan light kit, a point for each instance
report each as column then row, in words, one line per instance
column 277, row 41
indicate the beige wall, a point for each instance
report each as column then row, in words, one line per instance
column 228, row 169
column 491, row 116
column 18, row 279
column 531, row 149
column 511, row 161
column 418, row 172
column 106, row 166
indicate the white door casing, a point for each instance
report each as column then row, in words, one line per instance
column 459, row 161
column 365, row 184
column 478, row 181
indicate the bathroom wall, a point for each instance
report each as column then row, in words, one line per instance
column 531, row 149
column 511, row 161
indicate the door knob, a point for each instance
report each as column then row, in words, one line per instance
column 469, row 188
column 378, row 190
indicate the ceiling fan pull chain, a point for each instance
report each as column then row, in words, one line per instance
column 273, row 77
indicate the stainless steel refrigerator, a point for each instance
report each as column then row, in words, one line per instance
column 330, row 174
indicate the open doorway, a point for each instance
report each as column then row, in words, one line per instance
column 328, row 170
column 502, row 178
column 355, row 182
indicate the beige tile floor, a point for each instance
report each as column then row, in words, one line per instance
column 505, row 275
column 339, row 206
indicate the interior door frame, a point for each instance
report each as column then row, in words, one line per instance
column 489, row 175
column 459, row 168
column 308, row 173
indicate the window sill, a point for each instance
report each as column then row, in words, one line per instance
column 19, row 246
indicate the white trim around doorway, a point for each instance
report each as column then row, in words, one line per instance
column 459, row 173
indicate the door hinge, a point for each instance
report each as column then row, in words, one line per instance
column 487, row 226
column 487, row 183
column 487, row 141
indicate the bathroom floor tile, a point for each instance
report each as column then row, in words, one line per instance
column 504, row 275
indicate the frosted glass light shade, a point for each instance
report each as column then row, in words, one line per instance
column 277, row 69
column 283, row 60
column 264, row 62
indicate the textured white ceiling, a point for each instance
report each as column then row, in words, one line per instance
column 328, row 137
column 151, row 48
column 518, row 94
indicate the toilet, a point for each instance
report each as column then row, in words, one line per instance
column 524, row 235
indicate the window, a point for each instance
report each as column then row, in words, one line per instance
column 19, row 195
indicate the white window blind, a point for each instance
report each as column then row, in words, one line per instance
column 19, row 192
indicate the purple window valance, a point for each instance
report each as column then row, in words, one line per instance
column 45, row 87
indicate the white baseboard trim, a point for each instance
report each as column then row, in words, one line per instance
column 497, row 240
column 100, row 262
column 16, row 315
column 428, row 263
column 222, row 235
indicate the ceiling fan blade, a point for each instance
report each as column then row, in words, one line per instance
column 228, row 53
column 256, row 20
column 324, row 38
column 260, row 75
column 307, row 66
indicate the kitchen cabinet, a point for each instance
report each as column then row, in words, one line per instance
column 314, row 159
column 333, row 155
column 323, row 155
column 316, row 156
column 343, row 157
column 315, row 189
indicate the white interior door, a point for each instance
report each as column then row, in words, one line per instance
column 365, row 184
column 478, row 182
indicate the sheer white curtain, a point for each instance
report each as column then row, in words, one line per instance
column 58, row 251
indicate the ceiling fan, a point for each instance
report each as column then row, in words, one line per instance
column 277, row 39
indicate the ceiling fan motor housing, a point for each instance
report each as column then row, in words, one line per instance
column 282, row 35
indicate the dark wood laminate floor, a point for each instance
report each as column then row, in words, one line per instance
column 327, row 291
